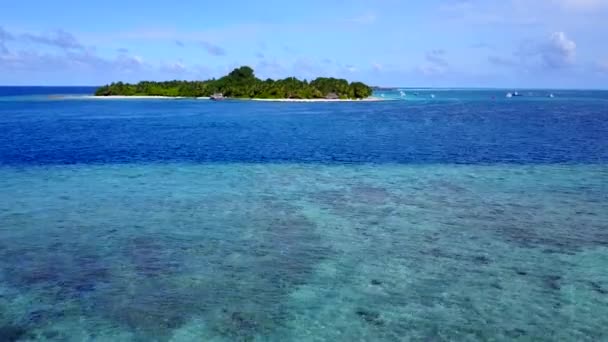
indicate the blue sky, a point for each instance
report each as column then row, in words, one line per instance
column 440, row 43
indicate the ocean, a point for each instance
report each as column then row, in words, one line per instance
column 437, row 215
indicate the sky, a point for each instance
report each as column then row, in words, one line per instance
column 428, row 43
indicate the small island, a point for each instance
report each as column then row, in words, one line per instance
column 242, row 83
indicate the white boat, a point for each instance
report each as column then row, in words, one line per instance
column 509, row 95
column 551, row 96
column 217, row 97
column 432, row 96
column 402, row 93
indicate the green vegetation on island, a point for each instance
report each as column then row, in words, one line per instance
column 242, row 83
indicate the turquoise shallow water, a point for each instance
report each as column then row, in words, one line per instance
column 277, row 252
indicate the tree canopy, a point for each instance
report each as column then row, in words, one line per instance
column 242, row 83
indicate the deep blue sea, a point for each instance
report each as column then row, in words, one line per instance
column 437, row 215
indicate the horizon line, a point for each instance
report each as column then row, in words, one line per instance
column 372, row 86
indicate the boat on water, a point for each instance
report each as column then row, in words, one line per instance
column 551, row 96
column 217, row 97
column 402, row 93
column 514, row 94
column 432, row 96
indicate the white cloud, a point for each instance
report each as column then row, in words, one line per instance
column 436, row 57
column 556, row 51
column 269, row 68
column 602, row 65
column 4, row 37
column 559, row 51
column 435, row 63
column 69, row 60
column 59, row 38
column 430, row 69
column 307, row 68
column 212, row 49
column 30, row 60
column 128, row 63
column 173, row 68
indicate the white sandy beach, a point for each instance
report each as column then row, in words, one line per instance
column 369, row 99
column 135, row 97
column 122, row 97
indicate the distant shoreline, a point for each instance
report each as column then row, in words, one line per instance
column 152, row 97
column 137, row 97
column 242, row 83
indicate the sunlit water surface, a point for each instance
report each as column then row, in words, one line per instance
column 193, row 221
